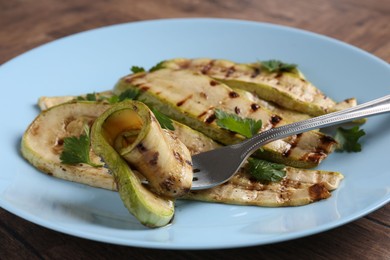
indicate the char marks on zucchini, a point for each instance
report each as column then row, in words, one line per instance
column 296, row 181
column 288, row 89
column 199, row 113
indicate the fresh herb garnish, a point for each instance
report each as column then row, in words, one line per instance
column 244, row 126
column 131, row 94
column 76, row 149
column 266, row 171
column 88, row 97
column 136, row 69
column 113, row 99
column 164, row 121
column 348, row 139
column 91, row 97
column 158, row 66
column 278, row 66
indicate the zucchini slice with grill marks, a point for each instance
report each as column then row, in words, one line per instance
column 192, row 98
column 288, row 89
column 42, row 143
column 290, row 115
column 298, row 187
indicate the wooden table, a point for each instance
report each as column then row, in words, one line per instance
column 30, row 23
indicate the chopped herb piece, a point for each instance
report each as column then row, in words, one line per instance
column 76, row 150
column 348, row 139
column 158, row 66
column 278, row 66
column 244, row 126
column 131, row 94
column 266, row 171
column 136, row 69
column 114, row 99
column 88, row 97
column 91, row 97
column 164, row 121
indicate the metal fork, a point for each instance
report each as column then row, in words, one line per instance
column 218, row 166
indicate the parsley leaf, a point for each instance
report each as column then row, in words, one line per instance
column 158, row 66
column 278, row 66
column 129, row 94
column 88, row 97
column 348, row 139
column 114, row 99
column 266, row 171
column 91, row 97
column 76, row 150
column 244, row 126
column 164, row 121
column 136, row 69
column 95, row 97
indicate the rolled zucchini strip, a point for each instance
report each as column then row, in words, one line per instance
column 131, row 128
column 149, row 208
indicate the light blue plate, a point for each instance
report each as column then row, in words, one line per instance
column 94, row 60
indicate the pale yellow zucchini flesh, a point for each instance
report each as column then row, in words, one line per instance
column 288, row 89
column 150, row 166
column 290, row 115
column 298, row 187
column 149, row 208
column 137, row 137
column 45, row 102
column 192, row 99
column 42, row 143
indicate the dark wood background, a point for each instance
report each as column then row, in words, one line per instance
column 25, row 24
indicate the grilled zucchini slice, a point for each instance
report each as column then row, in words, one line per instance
column 54, row 124
column 298, row 187
column 288, row 89
column 192, row 98
column 42, row 143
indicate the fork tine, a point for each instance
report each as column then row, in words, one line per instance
column 204, row 162
column 209, row 173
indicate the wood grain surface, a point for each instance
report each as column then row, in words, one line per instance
column 25, row 24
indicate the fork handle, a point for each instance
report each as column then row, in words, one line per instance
column 374, row 107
